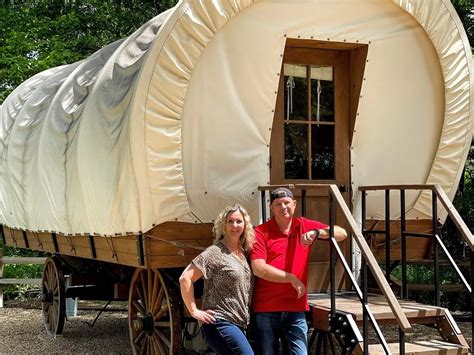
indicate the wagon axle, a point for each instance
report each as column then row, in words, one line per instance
column 47, row 297
column 144, row 323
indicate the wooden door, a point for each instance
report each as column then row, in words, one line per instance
column 310, row 137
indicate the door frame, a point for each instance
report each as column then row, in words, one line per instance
column 349, row 59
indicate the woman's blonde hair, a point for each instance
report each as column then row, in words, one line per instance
column 219, row 231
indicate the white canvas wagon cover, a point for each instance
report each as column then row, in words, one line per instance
column 174, row 122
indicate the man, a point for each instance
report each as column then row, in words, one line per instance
column 280, row 261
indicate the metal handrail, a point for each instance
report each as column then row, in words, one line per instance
column 437, row 193
column 444, row 199
column 372, row 262
column 367, row 255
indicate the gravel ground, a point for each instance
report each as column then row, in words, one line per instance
column 22, row 332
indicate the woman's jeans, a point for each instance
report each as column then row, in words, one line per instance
column 291, row 327
column 226, row 338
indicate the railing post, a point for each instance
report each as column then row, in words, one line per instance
column 434, row 211
column 472, row 289
column 264, row 206
column 332, row 255
column 365, row 316
column 387, row 235
column 1, row 276
column 364, row 276
column 401, row 337
column 403, row 237
column 364, row 213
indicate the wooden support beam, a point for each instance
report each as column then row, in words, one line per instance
column 55, row 242
column 3, row 235
column 140, row 250
column 92, row 247
column 25, row 239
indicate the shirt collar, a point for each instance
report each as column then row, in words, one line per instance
column 295, row 225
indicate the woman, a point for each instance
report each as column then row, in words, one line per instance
column 228, row 283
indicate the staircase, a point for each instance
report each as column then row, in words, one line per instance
column 340, row 319
column 349, row 318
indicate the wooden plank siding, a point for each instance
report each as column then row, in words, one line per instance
column 171, row 244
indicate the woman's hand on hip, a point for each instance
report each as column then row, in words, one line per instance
column 206, row 316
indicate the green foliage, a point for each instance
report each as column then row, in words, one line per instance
column 37, row 35
column 21, row 292
column 465, row 10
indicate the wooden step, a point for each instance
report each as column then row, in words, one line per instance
column 349, row 303
column 426, row 347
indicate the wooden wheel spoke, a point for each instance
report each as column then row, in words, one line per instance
column 159, row 299
column 162, row 311
column 149, row 349
column 149, row 287
column 52, row 318
column 156, row 286
column 162, row 337
column 140, row 337
column 162, row 324
column 139, row 308
column 52, row 278
column 141, row 298
column 143, row 292
column 49, row 276
column 53, row 306
column 151, row 296
column 144, row 347
column 158, row 346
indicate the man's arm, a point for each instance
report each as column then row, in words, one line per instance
column 270, row 273
column 339, row 233
column 309, row 237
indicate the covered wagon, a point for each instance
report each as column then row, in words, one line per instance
column 120, row 162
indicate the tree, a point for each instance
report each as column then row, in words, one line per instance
column 465, row 10
column 37, row 35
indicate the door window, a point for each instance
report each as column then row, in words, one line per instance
column 309, row 117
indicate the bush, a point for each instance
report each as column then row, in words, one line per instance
column 13, row 271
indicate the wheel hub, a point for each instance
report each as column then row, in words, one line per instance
column 47, row 297
column 145, row 323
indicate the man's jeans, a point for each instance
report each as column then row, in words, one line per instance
column 226, row 338
column 290, row 326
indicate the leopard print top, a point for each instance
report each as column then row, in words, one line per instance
column 228, row 284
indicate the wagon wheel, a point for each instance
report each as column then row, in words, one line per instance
column 153, row 314
column 53, row 300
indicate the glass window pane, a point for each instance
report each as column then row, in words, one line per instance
column 296, row 151
column 322, row 152
column 322, row 94
column 296, row 92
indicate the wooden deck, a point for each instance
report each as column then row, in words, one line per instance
column 349, row 303
column 428, row 347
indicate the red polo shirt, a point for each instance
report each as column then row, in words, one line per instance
column 285, row 252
